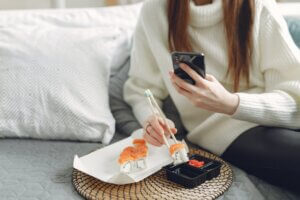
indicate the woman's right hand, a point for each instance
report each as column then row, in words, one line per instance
column 154, row 128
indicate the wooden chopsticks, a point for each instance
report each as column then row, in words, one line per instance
column 156, row 110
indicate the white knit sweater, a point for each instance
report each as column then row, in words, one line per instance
column 273, row 98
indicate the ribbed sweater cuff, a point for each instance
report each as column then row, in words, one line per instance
column 250, row 105
column 142, row 111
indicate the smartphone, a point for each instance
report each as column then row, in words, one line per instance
column 193, row 60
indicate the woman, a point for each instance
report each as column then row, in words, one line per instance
column 252, row 84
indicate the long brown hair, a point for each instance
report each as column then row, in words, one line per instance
column 238, row 20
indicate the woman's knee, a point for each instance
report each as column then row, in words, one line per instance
column 268, row 146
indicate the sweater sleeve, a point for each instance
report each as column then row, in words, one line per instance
column 144, row 72
column 279, row 105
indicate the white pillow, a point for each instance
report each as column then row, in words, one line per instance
column 54, row 71
column 121, row 53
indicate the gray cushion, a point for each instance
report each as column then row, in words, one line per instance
column 126, row 122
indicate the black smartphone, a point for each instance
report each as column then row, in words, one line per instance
column 193, row 60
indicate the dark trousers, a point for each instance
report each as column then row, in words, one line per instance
column 272, row 154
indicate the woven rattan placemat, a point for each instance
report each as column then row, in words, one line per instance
column 154, row 187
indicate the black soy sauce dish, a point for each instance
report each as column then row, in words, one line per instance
column 190, row 176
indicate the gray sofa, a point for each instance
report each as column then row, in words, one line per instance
column 41, row 170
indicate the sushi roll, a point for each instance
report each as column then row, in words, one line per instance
column 140, row 158
column 126, row 160
column 140, row 145
column 178, row 153
column 141, row 154
column 133, row 158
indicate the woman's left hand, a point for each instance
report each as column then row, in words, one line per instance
column 207, row 93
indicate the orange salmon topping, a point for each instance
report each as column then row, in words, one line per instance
column 124, row 158
column 176, row 147
column 139, row 142
column 140, row 150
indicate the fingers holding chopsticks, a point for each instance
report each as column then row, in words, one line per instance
column 154, row 128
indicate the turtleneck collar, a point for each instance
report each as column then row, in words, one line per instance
column 206, row 15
